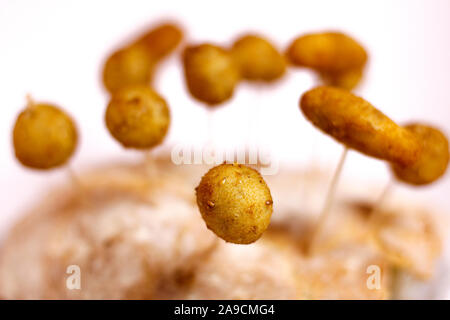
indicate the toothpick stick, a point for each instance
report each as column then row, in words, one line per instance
column 150, row 163
column 380, row 201
column 210, row 127
column 75, row 179
column 328, row 201
column 254, row 122
column 252, row 117
column 30, row 101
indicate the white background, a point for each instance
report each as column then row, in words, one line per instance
column 54, row 51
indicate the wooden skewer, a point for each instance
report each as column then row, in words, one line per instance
column 328, row 202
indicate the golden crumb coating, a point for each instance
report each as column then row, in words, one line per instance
column 433, row 159
column 137, row 117
column 211, row 73
column 235, row 203
column 44, row 136
column 345, row 80
column 258, row 59
column 129, row 66
column 339, row 59
column 162, row 40
column 357, row 124
column 327, row 52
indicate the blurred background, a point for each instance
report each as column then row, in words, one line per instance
column 54, row 50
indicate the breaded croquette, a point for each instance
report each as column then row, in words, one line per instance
column 338, row 58
column 161, row 40
column 44, row 136
column 258, row 59
column 359, row 125
column 235, row 203
column 211, row 73
column 128, row 66
column 433, row 159
column 137, row 117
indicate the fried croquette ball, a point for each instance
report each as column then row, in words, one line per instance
column 235, row 203
column 258, row 59
column 137, row 117
column 211, row 73
column 433, row 160
column 44, row 136
column 129, row 66
column 327, row 52
column 338, row 58
column 358, row 125
column 162, row 40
